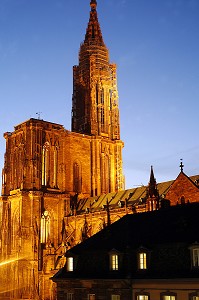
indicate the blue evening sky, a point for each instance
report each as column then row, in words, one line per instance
column 155, row 44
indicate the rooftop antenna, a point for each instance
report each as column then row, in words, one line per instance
column 39, row 114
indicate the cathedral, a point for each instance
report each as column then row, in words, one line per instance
column 48, row 169
column 60, row 187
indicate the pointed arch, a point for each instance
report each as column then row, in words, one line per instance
column 106, row 174
column 46, row 164
column 77, row 177
column 45, row 227
column 55, row 166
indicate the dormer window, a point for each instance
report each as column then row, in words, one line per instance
column 70, row 264
column 114, row 260
column 194, row 251
column 142, row 264
column 196, row 258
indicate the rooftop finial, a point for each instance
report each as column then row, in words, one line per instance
column 93, row 4
column 181, row 165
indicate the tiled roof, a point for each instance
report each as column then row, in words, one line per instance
column 132, row 196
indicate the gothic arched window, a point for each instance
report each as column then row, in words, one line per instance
column 77, row 180
column 55, row 166
column 106, row 174
column 45, row 164
column 45, row 227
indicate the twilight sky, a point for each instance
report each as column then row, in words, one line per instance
column 155, row 44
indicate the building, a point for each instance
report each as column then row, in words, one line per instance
column 48, row 169
column 147, row 256
column 60, row 187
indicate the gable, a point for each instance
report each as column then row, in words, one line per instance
column 183, row 190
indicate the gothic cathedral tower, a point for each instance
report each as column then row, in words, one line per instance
column 95, row 109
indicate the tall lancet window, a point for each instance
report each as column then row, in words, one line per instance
column 106, row 174
column 55, row 166
column 77, row 180
column 102, row 96
column 45, row 164
column 45, row 227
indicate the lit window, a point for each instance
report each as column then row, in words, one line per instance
column 70, row 264
column 142, row 297
column 70, row 296
column 114, row 262
column 45, row 227
column 195, row 255
column 165, row 297
column 91, row 296
column 195, row 298
column 142, row 261
column 115, row 297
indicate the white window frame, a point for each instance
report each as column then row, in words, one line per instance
column 70, row 264
column 142, row 260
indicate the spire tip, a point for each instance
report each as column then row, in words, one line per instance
column 93, row 4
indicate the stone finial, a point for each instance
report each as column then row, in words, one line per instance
column 93, row 4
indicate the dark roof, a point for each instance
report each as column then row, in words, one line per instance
column 174, row 224
column 168, row 231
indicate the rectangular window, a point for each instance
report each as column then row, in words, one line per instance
column 114, row 262
column 91, row 296
column 196, row 257
column 70, row 296
column 69, row 264
column 142, row 261
column 195, row 298
column 142, row 297
column 165, row 297
column 115, row 297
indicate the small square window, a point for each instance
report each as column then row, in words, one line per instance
column 142, row 261
column 69, row 264
column 115, row 297
column 114, row 262
column 142, row 297
column 91, row 296
column 168, row 297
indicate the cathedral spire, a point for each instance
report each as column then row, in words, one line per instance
column 93, row 32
